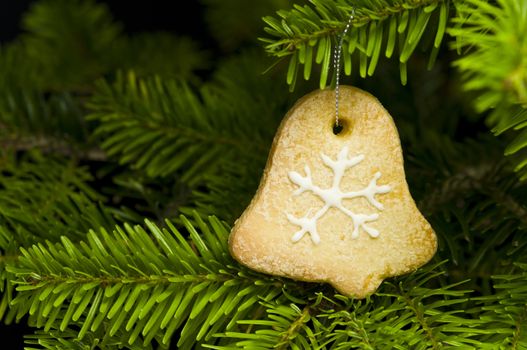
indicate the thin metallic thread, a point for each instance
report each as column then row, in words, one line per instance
column 336, row 64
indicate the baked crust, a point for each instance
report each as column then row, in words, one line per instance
column 261, row 237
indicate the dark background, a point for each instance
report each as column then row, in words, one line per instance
column 136, row 17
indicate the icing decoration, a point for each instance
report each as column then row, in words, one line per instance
column 333, row 197
column 339, row 196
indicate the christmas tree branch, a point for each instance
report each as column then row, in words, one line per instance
column 474, row 203
column 26, row 112
column 145, row 281
column 43, row 199
column 404, row 312
column 505, row 312
column 179, row 131
column 494, row 65
column 286, row 326
column 46, row 74
column 309, row 32
column 484, row 32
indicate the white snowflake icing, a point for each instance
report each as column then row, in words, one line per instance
column 333, row 197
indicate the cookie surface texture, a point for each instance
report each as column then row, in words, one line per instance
column 334, row 207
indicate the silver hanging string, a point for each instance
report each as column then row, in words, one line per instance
column 336, row 64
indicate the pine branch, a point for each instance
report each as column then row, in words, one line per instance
column 146, row 282
column 505, row 313
column 494, row 65
column 15, row 68
column 46, row 75
column 228, row 192
column 53, row 340
column 474, row 201
column 512, row 120
column 286, row 327
column 26, row 112
column 42, row 199
column 404, row 314
column 228, row 189
column 68, row 339
column 162, row 127
column 309, row 33
column 487, row 34
column 27, row 107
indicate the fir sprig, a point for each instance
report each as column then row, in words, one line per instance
column 484, row 32
column 308, row 34
column 148, row 282
column 404, row 314
column 43, row 199
column 162, row 126
column 488, row 33
column 166, row 128
column 505, row 313
column 29, row 119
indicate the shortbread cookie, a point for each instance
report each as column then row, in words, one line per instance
column 334, row 207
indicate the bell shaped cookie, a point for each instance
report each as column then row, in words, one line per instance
column 333, row 205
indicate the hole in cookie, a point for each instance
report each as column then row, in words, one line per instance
column 337, row 128
column 341, row 128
